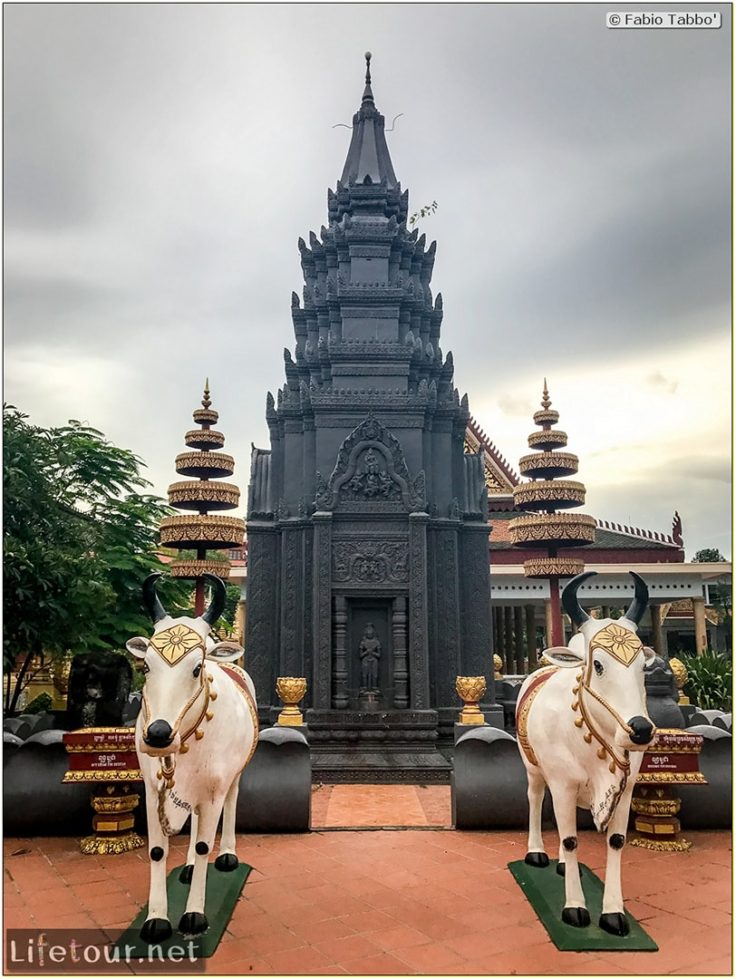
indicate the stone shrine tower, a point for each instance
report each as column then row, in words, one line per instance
column 368, row 559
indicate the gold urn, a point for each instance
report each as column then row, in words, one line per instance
column 470, row 689
column 291, row 690
column 497, row 667
column 680, row 671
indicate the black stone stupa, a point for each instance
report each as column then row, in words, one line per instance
column 368, row 558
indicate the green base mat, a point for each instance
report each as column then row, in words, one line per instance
column 544, row 888
column 223, row 890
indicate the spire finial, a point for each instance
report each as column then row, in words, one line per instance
column 367, row 91
column 206, row 399
column 546, row 402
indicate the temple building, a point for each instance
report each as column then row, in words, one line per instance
column 367, row 528
column 381, row 557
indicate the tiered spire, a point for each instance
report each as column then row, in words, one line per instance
column 368, row 160
column 547, row 493
column 202, row 531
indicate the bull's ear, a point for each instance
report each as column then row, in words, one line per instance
column 225, row 652
column 137, row 646
column 564, row 656
column 649, row 655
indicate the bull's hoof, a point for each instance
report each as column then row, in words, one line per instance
column 227, row 862
column 615, row 923
column 560, row 868
column 193, row 923
column 185, row 874
column 156, row 930
column 577, row 917
column 536, row 859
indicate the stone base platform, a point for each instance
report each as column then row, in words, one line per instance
column 390, row 746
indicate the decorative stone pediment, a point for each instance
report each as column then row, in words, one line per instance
column 371, row 474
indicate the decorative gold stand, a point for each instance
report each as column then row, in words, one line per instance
column 470, row 689
column 291, row 690
column 106, row 758
column 497, row 667
column 113, row 822
column 671, row 760
column 681, row 676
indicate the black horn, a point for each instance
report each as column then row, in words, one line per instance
column 570, row 598
column 151, row 600
column 638, row 607
column 217, row 604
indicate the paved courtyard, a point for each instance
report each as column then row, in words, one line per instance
column 420, row 900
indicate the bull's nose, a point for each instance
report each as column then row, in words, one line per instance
column 642, row 730
column 159, row 734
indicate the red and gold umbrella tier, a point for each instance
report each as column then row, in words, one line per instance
column 204, row 438
column 204, row 495
column 206, row 464
column 553, row 567
column 549, row 494
column 552, row 529
column 548, row 464
column 202, row 531
column 550, row 438
column 195, row 568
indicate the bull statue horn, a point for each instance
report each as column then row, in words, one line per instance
column 217, row 604
column 638, row 607
column 151, row 600
column 570, row 598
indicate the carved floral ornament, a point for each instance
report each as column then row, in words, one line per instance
column 622, row 644
column 174, row 643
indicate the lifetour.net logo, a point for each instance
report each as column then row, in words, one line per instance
column 87, row 951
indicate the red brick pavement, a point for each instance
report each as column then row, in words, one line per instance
column 395, row 902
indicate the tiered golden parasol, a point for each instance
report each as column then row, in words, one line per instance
column 547, row 492
column 202, row 531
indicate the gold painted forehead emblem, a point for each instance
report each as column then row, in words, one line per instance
column 176, row 642
column 622, row 644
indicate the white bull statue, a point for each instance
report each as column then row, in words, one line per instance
column 196, row 732
column 582, row 728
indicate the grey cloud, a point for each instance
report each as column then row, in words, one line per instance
column 162, row 160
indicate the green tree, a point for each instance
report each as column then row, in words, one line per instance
column 708, row 555
column 80, row 537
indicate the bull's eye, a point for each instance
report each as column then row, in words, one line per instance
column 197, row 669
column 598, row 667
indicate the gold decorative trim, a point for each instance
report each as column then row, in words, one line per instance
column 548, row 491
column 661, row 846
column 676, row 777
column 115, row 803
column 550, row 436
column 522, row 719
column 105, row 775
column 206, row 437
column 195, row 569
column 656, row 807
column 199, row 528
column 117, row 844
column 548, row 460
column 205, row 416
column 205, row 462
column 546, row 416
column 561, row 528
column 553, row 567
column 203, row 491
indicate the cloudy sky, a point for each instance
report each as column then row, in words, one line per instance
column 162, row 160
